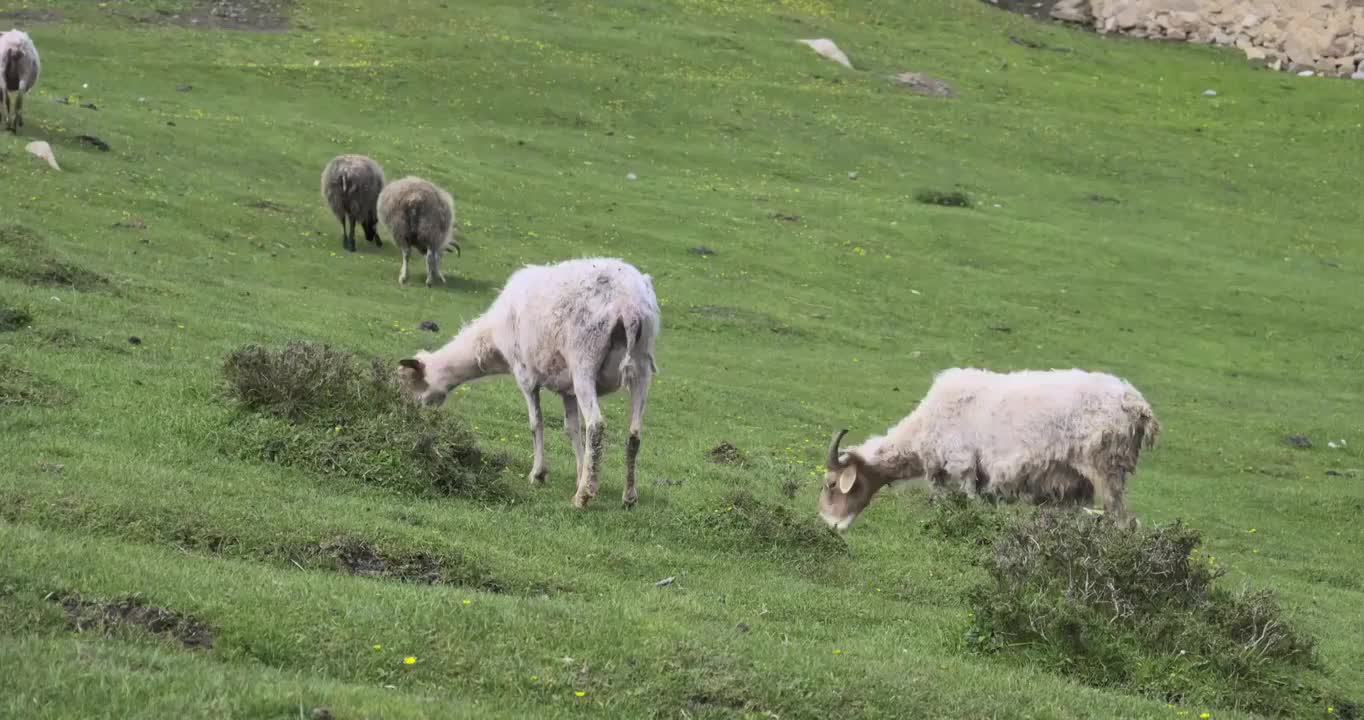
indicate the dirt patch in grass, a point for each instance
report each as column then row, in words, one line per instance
column 270, row 205
column 945, row 198
column 921, row 84
column 244, row 15
column 1141, row 611
column 1036, row 9
column 20, row 387
column 357, row 557
column 13, row 317
column 725, row 454
column 30, row 16
column 325, row 411
column 107, row 617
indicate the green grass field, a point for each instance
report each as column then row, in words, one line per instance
column 1205, row 248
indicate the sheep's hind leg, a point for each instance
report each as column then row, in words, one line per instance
column 433, row 268
column 402, row 274
column 574, row 430
column 537, row 430
column 585, row 389
column 18, row 118
column 639, row 398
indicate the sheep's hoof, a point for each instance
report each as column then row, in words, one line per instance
column 580, row 500
column 538, row 478
column 629, row 500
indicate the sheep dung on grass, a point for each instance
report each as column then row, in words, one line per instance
column 19, row 69
column 419, row 216
column 582, row 329
column 1050, row 437
column 351, row 185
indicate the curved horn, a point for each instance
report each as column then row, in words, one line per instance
column 833, row 449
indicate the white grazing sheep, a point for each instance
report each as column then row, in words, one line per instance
column 1059, row 436
column 419, row 215
column 582, row 329
column 19, row 69
column 351, row 185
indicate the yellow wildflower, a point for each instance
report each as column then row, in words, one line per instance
column 409, row 660
column 580, row 693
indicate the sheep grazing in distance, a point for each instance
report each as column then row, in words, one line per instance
column 582, row 329
column 19, row 69
column 351, row 185
column 419, row 215
column 1059, row 436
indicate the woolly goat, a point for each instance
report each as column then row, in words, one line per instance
column 19, row 68
column 582, row 329
column 1059, row 436
column 419, row 215
column 351, row 185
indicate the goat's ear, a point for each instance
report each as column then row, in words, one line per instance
column 414, row 365
column 846, row 478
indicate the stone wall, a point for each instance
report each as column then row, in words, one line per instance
column 1326, row 36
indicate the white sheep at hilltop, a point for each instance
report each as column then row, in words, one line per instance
column 1059, row 436
column 19, row 69
column 419, row 216
column 582, row 329
column 351, row 185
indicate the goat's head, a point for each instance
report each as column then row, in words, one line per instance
column 848, row 486
column 418, row 383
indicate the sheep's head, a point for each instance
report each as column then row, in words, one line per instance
column 848, row 486
column 416, row 381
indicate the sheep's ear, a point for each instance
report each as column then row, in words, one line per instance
column 846, row 478
column 414, row 365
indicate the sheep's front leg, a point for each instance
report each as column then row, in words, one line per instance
column 1115, row 498
column 574, row 430
column 585, row 388
column 433, row 268
column 639, row 398
column 402, row 274
column 537, row 430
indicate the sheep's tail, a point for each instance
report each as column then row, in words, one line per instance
column 412, row 212
column 345, row 181
column 635, row 329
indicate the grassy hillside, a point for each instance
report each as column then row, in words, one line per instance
column 1206, row 248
